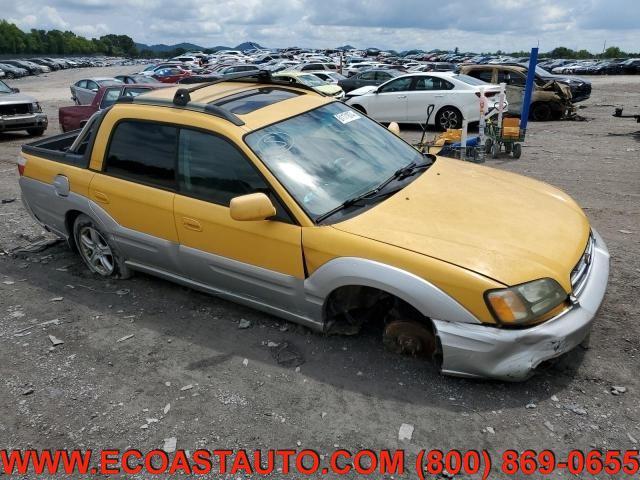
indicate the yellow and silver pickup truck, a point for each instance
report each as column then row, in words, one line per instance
column 275, row 196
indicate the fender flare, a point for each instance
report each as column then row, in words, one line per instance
column 427, row 298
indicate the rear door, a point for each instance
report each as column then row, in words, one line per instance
column 514, row 90
column 390, row 103
column 135, row 190
column 259, row 260
column 428, row 90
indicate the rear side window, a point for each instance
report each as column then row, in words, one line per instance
column 143, row 152
column 213, row 169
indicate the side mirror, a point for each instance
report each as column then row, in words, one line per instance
column 15, row 90
column 252, row 207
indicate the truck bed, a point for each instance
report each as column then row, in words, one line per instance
column 56, row 148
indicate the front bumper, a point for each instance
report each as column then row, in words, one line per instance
column 480, row 351
column 23, row 122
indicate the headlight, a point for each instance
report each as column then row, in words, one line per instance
column 36, row 108
column 525, row 302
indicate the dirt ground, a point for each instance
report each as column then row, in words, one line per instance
column 100, row 389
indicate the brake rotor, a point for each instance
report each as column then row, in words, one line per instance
column 409, row 338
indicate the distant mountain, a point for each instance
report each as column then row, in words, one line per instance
column 162, row 48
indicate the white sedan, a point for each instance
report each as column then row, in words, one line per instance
column 405, row 99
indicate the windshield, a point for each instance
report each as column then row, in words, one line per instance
column 329, row 155
column 311, row 80
column 4, row 88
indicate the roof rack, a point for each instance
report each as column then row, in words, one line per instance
column 182, row 97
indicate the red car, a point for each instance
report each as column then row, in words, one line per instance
column 171, row 74
column 75, row 116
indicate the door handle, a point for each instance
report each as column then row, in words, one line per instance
column 438, row 96
column 100, row 197
column 402, row 96
column 191, row 224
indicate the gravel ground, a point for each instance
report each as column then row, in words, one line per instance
column 133, row 347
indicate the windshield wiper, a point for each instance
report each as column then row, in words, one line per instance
column 399, row 174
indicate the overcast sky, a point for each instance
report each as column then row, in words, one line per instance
column 471, row 25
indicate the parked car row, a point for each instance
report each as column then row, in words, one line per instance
column 16, row 68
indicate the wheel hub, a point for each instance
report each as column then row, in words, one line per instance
column 96, row 251
column 409, row 338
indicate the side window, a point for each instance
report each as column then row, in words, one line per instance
column 110, row 97
column 91, row 85
column 332, row 66
column 398, row 85
column 82, row 84
column 143, row 152
column 517, row 79
column 368, row 76
column 383, row 76
column 484, row 75
column 213, row 169
column 432, row 83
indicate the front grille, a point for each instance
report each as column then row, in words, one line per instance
column 580, row 272
column 15, row 109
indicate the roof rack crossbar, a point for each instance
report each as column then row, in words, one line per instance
column 183, row 95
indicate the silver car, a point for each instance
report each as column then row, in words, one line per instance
column 84, row 91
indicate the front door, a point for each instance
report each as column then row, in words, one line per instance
column 259, row 260
column 390, row 103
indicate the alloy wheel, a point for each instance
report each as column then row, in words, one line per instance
column 95, row 251
column 449, row 119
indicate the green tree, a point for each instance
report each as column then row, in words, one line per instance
column 613, row 52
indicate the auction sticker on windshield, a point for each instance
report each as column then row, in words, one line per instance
column 346, row 117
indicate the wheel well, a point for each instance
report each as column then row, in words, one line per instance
column 349, row 308
column 360, row 108
column 69, row 220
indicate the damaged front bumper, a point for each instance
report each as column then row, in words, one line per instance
column 480, row 351
column 23, row 121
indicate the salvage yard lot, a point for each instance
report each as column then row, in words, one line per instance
column 132, row 347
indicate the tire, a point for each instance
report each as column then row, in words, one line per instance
column 541, row 112
column 96, row 251
column 488, row 143
column 507, row 148
column 9, row 75
column 448, row 117
column 36, row 132
column 517, row 150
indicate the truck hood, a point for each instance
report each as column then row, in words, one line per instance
column 12, row 98
column 506, row 227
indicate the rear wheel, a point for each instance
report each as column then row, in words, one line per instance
column 541, row 112
column 507, row 148
column 35, row 132
column 96, row 251
column 9, row 75
column 448, row 117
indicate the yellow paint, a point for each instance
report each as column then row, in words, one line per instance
column 46, row 170
column 268, row 244
column 474, row 217
column 322, row 244
column 252, row 207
